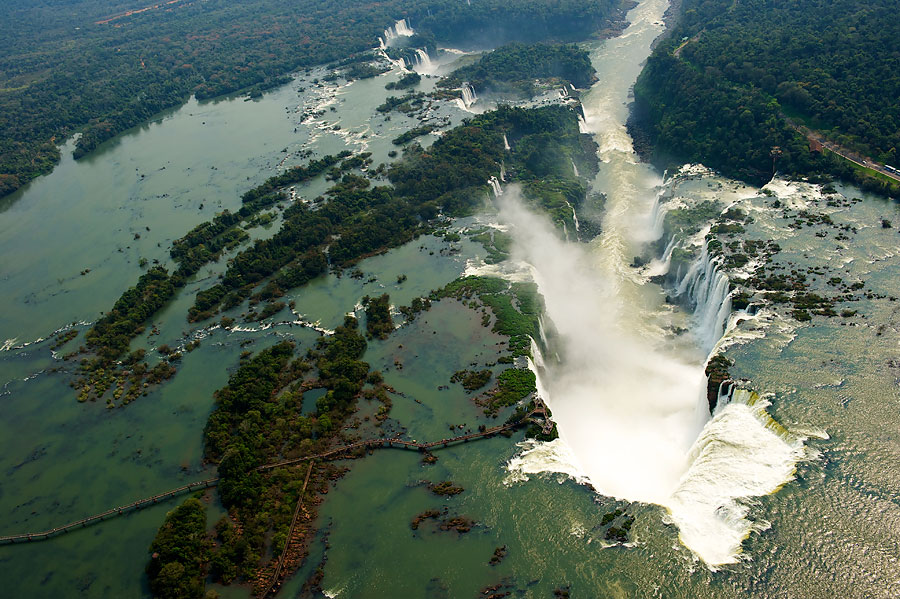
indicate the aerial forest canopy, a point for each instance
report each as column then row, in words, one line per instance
column 103, row 66
column 719, row 88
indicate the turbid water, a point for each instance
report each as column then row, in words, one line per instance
column 625, row 388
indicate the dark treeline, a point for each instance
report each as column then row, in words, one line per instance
column 62, row 68
column 834, row 65
column 514, row 67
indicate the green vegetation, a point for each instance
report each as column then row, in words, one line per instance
column 356, row 221
column 689, row 220
column 412, row 134
column 497, row 244
column 91, row 66
column 108, row 340
column 545, row 142
column 257, row 420
column 516, row 308
column 180, row 553
column 520, row 322
column 512, row 69
column 410, row 79
column 359, row 220
column 471, row 380
column 513, row 385
column 379, row 323
column 407, row 103
column 721, row 97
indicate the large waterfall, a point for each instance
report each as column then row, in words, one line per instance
column 707, row 290
column 629, row 398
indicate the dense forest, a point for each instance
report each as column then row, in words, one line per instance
column 103, row 66
column 719, row 88
column 513, row 68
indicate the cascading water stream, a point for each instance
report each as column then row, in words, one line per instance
column 630, row 402
column 424, row 64
column 468, row 96
column 398, row 29
column 707, row 289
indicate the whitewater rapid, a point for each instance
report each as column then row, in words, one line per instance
column 628, row 398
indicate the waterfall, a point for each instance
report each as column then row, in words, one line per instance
column 495, row 187
column 723, row 396
column 399, row 63
column 582, row 125
column 506, row 143
column 741, row 453
column 398, row 29
column 707, row 290
column 574, row 168
column 423, row 62
column 658, row 215
column 502, row 172
column 574, row 215
column 402, row 28
column 631, row 406
column 468, row 97
column 542, row 332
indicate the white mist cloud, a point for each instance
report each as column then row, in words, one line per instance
column 629, row 411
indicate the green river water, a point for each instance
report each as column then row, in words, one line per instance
column 830, row 530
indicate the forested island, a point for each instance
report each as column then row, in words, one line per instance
column 100, row 67
column 513, row 69
column 731, row 84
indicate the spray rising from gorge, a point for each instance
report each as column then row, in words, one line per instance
column 628, row 396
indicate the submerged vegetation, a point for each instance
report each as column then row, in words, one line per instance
column 516, row 308
column 258, row 417
column 108, row 340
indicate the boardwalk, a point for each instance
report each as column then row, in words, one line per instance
column 275, row 581
column 371, row 444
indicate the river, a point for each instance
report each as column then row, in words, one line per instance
column 791, row 494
